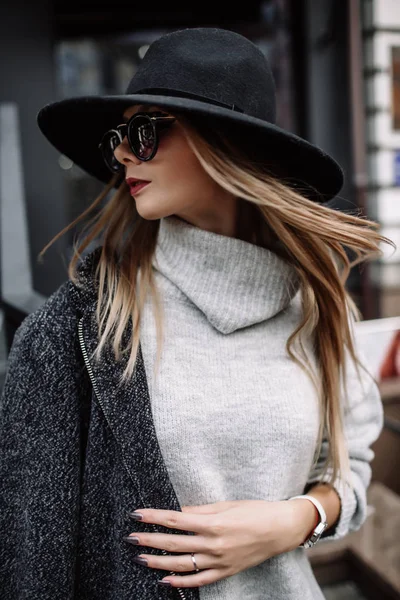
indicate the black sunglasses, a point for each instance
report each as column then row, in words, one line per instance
column 142, row 130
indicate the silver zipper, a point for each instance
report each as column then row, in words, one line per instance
column 96, row 391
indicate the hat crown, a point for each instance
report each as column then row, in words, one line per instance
column 212, row 64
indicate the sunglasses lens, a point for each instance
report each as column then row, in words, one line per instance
column 109, row 144
column 142, row 136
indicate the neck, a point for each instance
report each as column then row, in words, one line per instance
column 242, row 220
column 221, row 217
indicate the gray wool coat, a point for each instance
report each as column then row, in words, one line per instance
column 75, row 459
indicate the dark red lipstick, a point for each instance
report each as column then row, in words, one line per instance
column 136, row 185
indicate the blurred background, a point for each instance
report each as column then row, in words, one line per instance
column 337, row 70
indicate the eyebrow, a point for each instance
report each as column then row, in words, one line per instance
column 142, row 107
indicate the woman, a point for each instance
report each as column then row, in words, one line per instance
column 198, row 370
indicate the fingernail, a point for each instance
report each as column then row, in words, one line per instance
column 136, row 516
column 166, row 583
column 140, row 560
column 131, row 539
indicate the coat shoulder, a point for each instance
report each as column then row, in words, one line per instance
column 45, row 347
column 53, row 319
column 47, row 338
column 61, row 311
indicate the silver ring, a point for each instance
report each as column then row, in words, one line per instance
column 194, row 562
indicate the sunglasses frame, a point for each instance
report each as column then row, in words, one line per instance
column 158, row 121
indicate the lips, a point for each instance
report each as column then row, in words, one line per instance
column 133, row 182
column 136, row 185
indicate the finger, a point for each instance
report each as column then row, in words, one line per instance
column 198, row 523
column 182, row 563
column 203, row 578
column 169, row 542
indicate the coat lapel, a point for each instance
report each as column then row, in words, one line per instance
column 127, row 410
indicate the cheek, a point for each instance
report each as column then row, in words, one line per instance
column 181, row 171
column 188, row 168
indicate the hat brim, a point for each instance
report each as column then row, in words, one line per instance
column 75, row 126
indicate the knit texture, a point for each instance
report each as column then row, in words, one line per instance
column 235, row 417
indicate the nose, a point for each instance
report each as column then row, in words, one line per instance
column 124, row 154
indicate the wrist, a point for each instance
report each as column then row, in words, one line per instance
column 307, row 518
column 327, row 495
column 322, row 524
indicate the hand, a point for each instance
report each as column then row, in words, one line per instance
column 229, row 537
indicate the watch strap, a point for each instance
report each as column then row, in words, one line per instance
column 321, row 526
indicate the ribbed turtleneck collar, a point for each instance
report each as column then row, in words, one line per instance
column 233, row 282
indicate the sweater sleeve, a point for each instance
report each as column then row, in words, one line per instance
column 39, row 462
column 363, row 421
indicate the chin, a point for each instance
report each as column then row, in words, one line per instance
column 149, row 217
column 153, row 213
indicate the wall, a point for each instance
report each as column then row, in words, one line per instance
column 381, row 32
column 28, row 83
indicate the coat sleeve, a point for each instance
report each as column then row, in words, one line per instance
column 40, row 461
column 363, row 422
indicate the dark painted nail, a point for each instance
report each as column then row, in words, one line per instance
column 140, row 561
column 131, row 539
column 136, row 516
column 166, row 583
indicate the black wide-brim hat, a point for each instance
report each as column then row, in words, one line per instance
column 214, row 74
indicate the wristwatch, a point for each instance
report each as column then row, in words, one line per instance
column 322, row 525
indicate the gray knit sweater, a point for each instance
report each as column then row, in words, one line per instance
column 235, row 417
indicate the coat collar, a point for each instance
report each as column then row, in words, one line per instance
column 127, row 411
column 127, row 408
column 84, row 295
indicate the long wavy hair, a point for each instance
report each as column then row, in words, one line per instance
column 315, row 239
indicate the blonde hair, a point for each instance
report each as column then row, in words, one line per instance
column 308, row 234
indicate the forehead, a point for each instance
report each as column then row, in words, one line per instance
column 129, row 112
